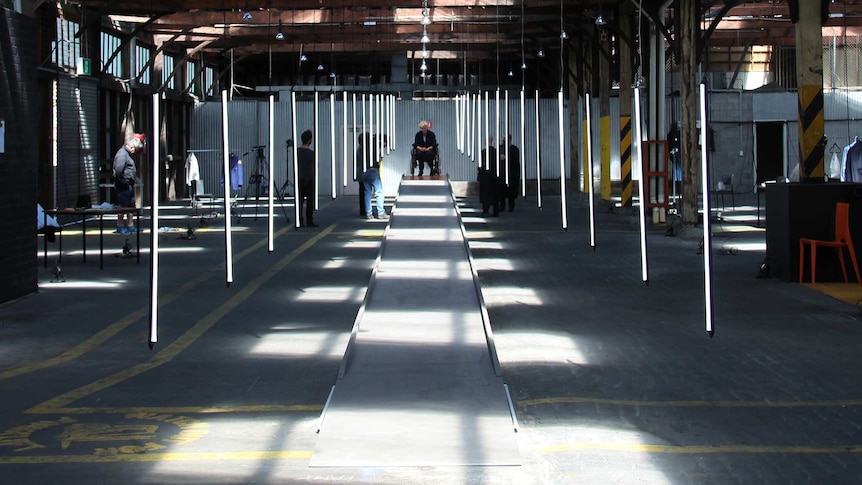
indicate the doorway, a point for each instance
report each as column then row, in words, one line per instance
column 769, row 150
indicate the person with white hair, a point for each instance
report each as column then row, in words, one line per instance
column 425, row 149
column 125, row 174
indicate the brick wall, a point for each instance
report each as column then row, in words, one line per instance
column 19, row 162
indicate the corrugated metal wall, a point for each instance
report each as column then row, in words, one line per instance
column 77, row 140
column 249, row 126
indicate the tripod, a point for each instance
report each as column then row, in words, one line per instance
column 259, row 183
column 255, row 180
column 283, row 192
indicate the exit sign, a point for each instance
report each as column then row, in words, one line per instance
column 84, row 66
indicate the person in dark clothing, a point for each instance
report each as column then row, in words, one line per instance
column 361, row 166
column 489, row 189
column 425, row 149
column 307, row 168
column 511, row 160
column 125, row 174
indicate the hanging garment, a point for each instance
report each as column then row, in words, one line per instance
column 193, row 171
column 834, row 166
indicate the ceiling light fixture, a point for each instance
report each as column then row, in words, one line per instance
column 600, row 20
column 424, row 38
column 246, row 15
column 511, row 73
column 423, row 67
column 280, row 34
column 564, row 35
column 320, row 67
column 303, row 58
column 541, row 53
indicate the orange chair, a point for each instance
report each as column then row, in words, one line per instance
column 842, row 240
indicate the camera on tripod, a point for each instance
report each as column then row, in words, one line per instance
column 258, row 151
column 289, row 143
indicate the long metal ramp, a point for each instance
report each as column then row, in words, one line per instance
column 420, row 384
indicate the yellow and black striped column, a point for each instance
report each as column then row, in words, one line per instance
column 809, row 79
column 811, row 127
column 626, row 161
column 626, row 95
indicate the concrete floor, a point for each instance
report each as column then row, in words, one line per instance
column 613, row 381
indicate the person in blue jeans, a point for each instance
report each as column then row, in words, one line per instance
column 371, row 181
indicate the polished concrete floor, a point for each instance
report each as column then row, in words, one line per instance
column 612, row 380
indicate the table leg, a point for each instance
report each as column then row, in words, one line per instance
column 45, row 236
column 138, row 235
column 758, row 207
column 84, row 235
column 101, row 241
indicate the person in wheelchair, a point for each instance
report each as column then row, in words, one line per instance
column 424, row 150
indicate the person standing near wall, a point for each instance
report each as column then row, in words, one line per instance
column 513, row 162
column 361, row 165
column 307, row 192
column 489, row 189
column 125, row 174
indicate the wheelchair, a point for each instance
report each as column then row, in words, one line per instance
column 434, row 164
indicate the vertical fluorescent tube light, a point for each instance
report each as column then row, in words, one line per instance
column 538, row 159
column 366, row 142
column 487, row 131
column 505, row 143
column 563, row 201
column 589, row 174
column 379, row 127
column 333, row 146
column 637, row 161
column 523, row 161
column 370, row 141
column 344, row 137
column 481, row 139
column 355, row 137
column 707, row 222
column 296, row 194
column 457, row 122
column 316, row 151
column 154, row 226
column 228, row 246
column 470, row 122
column 388, row 120
column 382, row 130
column 271, row 216
column 497, row 139
column 55, row 145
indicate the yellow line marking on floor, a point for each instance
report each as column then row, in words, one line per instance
column 159, row 457
column 701, row 449
column 690, row 404
column 182, row 342
column 266, row 408
column 118, row 326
